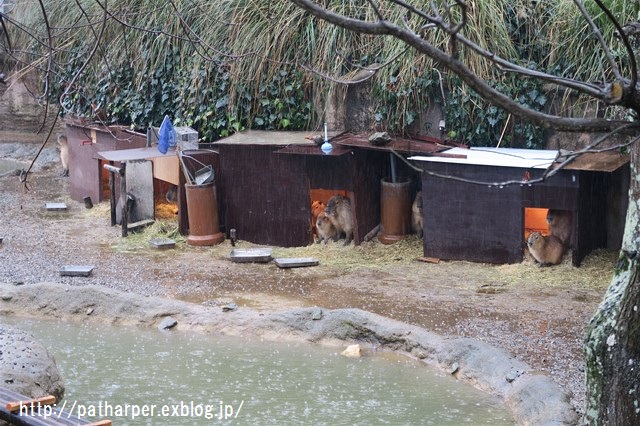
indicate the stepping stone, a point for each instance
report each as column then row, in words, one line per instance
column 76, row 270
column 160, row 243
column 56, row 206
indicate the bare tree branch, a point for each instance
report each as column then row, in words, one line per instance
column 384, row 27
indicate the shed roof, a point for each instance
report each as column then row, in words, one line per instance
column 527, row 158
column 423, row 145
column 267, row 137
column 135, row 154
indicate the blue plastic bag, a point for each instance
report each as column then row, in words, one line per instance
column 166, row 135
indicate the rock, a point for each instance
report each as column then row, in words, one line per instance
column 229, row 307
column 352, row 351
column 89, row 311
column 26, row 366
column 167, row 323
column 316, row 314
column 379, row 138
column 454, row 368
column 512, row 375
column 421, row 354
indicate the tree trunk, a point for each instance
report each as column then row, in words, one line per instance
column 612, row 342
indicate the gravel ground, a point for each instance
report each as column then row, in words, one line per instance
column 508, row 306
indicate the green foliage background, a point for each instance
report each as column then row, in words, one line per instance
column 222, row 66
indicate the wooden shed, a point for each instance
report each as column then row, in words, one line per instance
column 85, row 140
column 270, row 179
column 92, row 145
column 470, row 215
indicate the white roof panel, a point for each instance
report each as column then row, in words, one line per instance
column 487, row 156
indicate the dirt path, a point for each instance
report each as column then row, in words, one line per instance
column 536, row 314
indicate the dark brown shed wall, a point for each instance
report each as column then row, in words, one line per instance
column 358, row 172
column 464, row 221
column 266, row 195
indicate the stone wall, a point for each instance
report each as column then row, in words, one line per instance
column 21, row 115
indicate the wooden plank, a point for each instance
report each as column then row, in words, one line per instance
column 267, row 137
column 45, row 400
column 313, row 150
column 428, row 259
column 401, row 145
column 139, row 224
column 599, row 161
column 166, row 169
column 34, row 415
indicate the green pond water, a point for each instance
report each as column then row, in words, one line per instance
column 184, row 378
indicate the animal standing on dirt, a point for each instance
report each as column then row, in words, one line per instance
column 416, row 215
column 338, row 211
column 325, row 229
column 546, row 250
column 64, row 154
column 559, row 222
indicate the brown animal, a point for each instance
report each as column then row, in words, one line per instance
column 338, row 211
column 325, row 229
column 546, row 250
column 559, row 222
column 64, row 154
column 172, row 194
column 416, row 215
column 317, row 207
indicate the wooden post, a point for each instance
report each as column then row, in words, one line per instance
column 123, row 198
column 122, row 171
column 183, row 214
column 112, row 196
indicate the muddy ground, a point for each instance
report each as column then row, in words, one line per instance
column 536, row 314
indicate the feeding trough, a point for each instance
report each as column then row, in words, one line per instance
column 76, row 270
column 295, row 262
column 55, row 206
column 258, row 255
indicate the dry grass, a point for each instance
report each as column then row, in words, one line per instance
column 139, row 240
column 594, row 273
column 371, row 254
column 165, row 227
column 166, row 211
column 99, row 210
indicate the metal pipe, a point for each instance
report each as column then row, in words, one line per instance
column 393, row 167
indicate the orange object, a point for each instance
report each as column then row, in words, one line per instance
column 45, row 400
